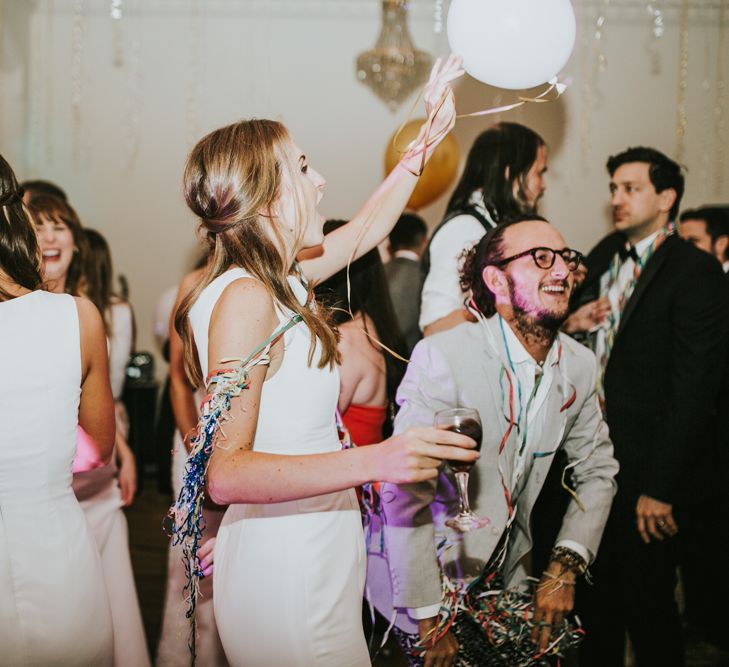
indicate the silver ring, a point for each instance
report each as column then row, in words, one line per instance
column 661, row 523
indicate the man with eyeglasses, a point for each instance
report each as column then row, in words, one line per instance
column 534, row 389
column 655, row 310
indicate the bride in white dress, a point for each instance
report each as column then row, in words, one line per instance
column 289, row 559
column 53, row 603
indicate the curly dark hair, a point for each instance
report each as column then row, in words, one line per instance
column 489, row 251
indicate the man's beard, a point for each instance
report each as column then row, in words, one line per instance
column 540, row 328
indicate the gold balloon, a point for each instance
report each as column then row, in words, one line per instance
column 439, row 172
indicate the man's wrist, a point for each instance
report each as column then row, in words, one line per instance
column 567, row 560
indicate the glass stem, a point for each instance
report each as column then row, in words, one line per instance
column 462, row 480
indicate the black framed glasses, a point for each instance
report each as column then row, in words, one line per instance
column 544, row 257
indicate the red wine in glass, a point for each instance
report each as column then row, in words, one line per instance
column 472, row 429
column 468, row 422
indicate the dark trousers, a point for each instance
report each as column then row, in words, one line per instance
column 634, row 590
column 704, row 540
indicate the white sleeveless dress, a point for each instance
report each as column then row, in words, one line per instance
column 53, row 604
column 289, row 576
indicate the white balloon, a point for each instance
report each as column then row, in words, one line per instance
column 512, row 43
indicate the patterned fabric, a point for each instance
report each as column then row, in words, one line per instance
column 613, row 322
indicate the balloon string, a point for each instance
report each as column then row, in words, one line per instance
column 553, row 85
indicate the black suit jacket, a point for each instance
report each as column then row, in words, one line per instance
column 665, row 369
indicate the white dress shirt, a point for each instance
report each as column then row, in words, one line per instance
column 442, row 289
column 530, row 415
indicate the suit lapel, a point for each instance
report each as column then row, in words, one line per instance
column 598, row 262
column 498, row 397
column 646, row 277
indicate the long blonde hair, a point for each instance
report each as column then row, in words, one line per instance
column 231, row 175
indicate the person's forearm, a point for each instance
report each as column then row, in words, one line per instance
column 245, row 476
column 184, row 409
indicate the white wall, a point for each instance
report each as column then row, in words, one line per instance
column 197, row 65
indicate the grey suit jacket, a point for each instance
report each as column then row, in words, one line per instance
column 460, row 368
column 405, row 280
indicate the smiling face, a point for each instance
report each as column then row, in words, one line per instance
column 57, row 246
column 538, row 297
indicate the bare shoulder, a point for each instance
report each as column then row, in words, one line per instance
column 189, row 282
column 244, row 312
column 354, row 338
column 89, row 317
column 191, row 279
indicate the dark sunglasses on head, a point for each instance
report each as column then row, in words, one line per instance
column 544, row 257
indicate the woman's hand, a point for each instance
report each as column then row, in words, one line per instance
column 440, row 106
column 416, row 454
column 206, row 556
column 127, row 473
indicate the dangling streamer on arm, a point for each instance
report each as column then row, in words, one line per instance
column 187, row 522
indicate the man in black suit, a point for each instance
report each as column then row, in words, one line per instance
column 404, row 275
column 664, row 317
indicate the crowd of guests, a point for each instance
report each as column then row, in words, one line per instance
column 601, row 381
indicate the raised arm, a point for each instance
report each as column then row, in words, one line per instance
column 373, row 222
column 96, row 406
column 243, row 318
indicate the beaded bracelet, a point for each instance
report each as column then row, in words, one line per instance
column 569, row 560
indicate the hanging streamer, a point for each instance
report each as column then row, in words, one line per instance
column 185, row 519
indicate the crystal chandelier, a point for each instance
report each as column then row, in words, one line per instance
column 394, row 68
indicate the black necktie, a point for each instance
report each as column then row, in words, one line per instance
column 626, row 251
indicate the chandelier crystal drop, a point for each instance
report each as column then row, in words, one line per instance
column 394, row 68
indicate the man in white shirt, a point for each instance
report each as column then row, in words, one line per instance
column 503, row 178
column 534, row 389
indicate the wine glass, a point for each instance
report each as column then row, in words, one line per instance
column 467, row 422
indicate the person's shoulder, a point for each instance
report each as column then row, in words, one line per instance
column 580, row 352
column 685, row 252
column 190, row 281
column 352, row 335
column 248, row 294
column 89, row 316
column 458, row 340
column 463, row 226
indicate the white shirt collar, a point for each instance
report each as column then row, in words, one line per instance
column 407, row 254
column 643, row 244
column 476, row 200
column 725, row 266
